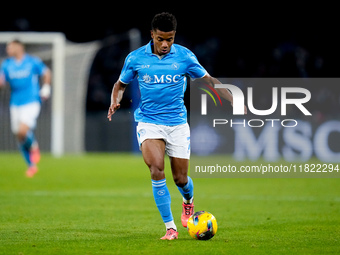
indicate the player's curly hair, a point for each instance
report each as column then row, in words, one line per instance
column 17, row 41
column 164, row 22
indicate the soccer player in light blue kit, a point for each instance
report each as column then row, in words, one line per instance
column 162, row 69
column 22, row 71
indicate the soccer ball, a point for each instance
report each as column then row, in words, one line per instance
column 202, row 225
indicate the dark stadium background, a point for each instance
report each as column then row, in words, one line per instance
column 282, row 39
column 233, row 39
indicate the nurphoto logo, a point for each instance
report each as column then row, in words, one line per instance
column 239, row 102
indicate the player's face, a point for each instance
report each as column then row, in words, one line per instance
column 13, row 49
column 162, row 41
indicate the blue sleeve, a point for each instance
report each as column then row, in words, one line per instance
column 128, row 72
column 39, row 66
column 195, row 70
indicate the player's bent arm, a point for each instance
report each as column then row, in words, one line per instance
column 222, row 92
column 47, row 77
column 2, row 80
column 45, row 91
column 116, row 97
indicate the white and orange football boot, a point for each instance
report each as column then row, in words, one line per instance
column 171, row 234
column 187, row 211
column 31, row 171
column 35, row 154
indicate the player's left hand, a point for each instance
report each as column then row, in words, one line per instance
column 45, row 92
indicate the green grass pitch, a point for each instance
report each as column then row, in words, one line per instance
column 103, row 204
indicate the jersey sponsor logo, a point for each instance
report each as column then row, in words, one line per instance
column 19, row 74
column 161, row 79
column 146, row 78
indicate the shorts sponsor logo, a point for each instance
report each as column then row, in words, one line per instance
column 141, row 132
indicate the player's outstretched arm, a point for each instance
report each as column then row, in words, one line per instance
column 116, row 97
column 222, row 92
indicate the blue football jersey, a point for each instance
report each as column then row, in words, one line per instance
column 162, row 82
column 23, row 78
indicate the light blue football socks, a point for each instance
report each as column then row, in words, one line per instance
column 187, row 191
column 25, row 146
column 29, row 140
column 163, row 201
column 25, row 153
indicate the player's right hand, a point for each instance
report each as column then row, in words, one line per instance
column 113, row 108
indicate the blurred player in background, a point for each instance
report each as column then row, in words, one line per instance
column 162, row 68
column 23, row 72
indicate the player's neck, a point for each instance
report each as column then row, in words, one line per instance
column 19, row 56
column 155, row 53
column 153, row 50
